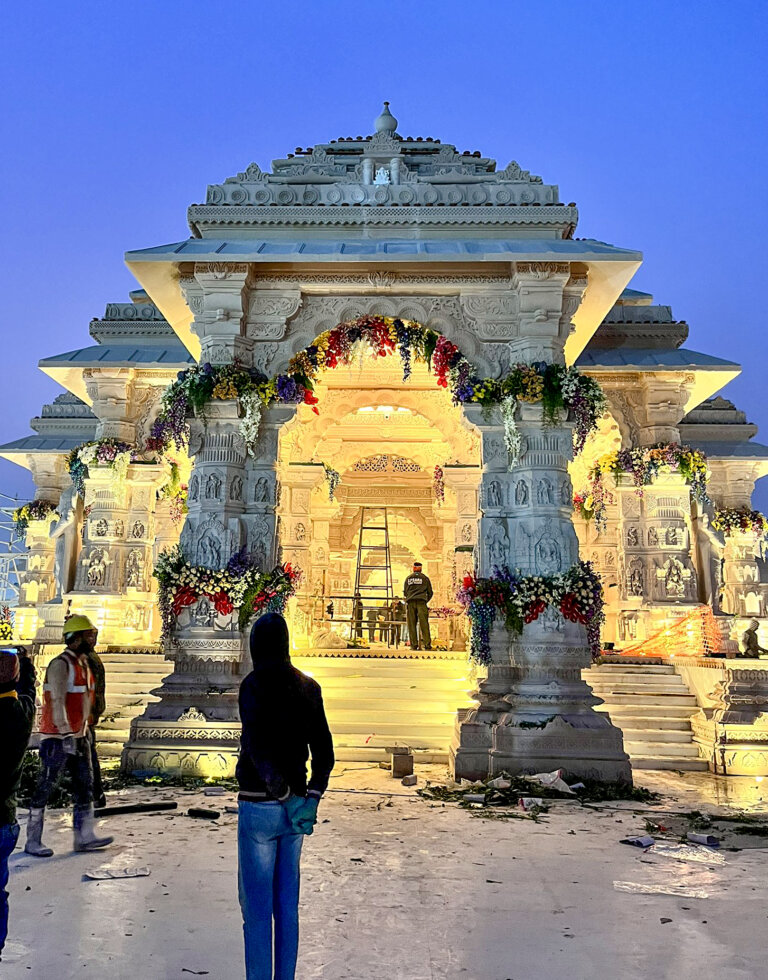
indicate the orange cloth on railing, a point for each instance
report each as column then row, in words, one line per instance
column 694, row 635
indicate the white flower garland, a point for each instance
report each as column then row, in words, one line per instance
column 249, row 423
column 512, row 438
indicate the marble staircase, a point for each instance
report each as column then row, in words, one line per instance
column 373, row 702
column 653, row 708
column 130, row 676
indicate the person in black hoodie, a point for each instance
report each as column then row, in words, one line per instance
column 17, row 712
column 283, row 719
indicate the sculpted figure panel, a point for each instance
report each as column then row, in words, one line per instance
column 521, row 493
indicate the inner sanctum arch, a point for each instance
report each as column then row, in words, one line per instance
column 384, row 437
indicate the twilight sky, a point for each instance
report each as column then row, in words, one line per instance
column 115, row 116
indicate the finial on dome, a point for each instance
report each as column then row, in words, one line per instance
column 386, row 122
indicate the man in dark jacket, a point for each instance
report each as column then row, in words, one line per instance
column 418, row 591
column 283, row 721
column 17, row 712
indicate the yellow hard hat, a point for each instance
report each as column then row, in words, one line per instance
column 77, row 624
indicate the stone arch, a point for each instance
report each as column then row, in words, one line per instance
column 315, row 317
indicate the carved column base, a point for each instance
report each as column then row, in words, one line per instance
column 733, row 735
column 194, row 728
column 469, row 751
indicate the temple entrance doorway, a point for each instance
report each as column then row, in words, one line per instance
column 380, row 447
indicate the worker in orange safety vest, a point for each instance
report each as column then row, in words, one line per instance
column 68, row 693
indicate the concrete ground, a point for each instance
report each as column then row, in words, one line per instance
column 396, row 888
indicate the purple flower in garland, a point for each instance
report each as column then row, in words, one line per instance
column 240, row 563
column 288, row 390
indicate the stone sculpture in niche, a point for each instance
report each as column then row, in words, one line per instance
column 137, row 531
column 494, row 494
column 100, row 528
column 497, row 544
column 97, row 567
column 547, row 555
column 133, row 569
column 566, row 493
column 674, row 581
column 653, row 537
column 261, row 492
column 521, row 493
column 236, row 489
column 671, row 536
column 119, row 528
column 204, row 614
column 632, row 537
column 212, row 487
column 194, row 487
column 300, row 532
column 209, row 550
column 636, row 581
column 544, row 492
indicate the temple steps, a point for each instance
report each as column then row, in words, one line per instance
column 653, row 707
column 375, row 702
column 129, row 679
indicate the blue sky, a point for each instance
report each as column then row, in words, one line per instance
column 652, row 117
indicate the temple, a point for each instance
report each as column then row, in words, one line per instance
column 401, row 339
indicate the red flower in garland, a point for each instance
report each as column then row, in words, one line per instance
column 311, row 399
column 222, row 603
column 184, row 597
column 534, row 610
column 569, row 607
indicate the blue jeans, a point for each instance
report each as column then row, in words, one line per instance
column 9, row 834
column 268, row 882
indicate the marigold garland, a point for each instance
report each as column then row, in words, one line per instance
column 643, row 465
column 732, row 520
column 557, row 387
column 576, row 593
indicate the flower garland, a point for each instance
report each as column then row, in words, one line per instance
column 175, row 492
column 333, row 479
column 576, row 593
column 643, row 464
column 35, row 510
column 732, row 520
column 240, row 585
column 438, row 485
column 195, row 387
column 113, row 453
column 557, row 387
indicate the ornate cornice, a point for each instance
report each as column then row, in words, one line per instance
column 204, row 214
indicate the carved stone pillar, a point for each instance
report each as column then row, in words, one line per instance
column 298, row 482
column 218, row 298
column 732, row 735
column 113, row 578
column 111, row 391
column 742, row 595
column 526, row 524
column 37, row 583
column 232, row 502
column 657, row 578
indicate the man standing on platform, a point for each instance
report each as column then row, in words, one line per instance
column 418, row 591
